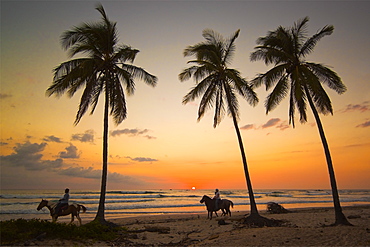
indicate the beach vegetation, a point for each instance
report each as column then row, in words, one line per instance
column 291, row 75
column 218, row 86
column 102, row 67
column 17, row 231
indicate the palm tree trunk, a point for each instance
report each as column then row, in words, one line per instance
column 340, row 218
column 253, row 204
column 100, row 215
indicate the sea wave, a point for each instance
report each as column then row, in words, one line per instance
column 25, row 202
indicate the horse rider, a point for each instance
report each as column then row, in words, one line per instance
column 217, row 198
column 62, row 202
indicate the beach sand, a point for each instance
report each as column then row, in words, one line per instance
column 302, row 227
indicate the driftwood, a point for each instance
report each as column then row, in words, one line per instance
column 275, row 208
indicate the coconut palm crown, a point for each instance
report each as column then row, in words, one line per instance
column 286, row 50
column 102, row 67
column 218, row 83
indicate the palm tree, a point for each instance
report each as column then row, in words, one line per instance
column 286, row 49
column 219, row 85
column 103, row 69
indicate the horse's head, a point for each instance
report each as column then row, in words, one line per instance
column 203, row 199
column 42, row 204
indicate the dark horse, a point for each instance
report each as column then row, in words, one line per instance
column 73, row 209
column 210, row 204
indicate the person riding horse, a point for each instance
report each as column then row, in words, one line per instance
column 62, row 202
column 217, row 198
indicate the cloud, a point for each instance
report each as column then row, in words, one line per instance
column 132, row 133
column 129, row 132
column 3, row 143
column 142, row 159
column 364, row 125
column 28, row 155
column 5, row 95
column 150, row 137
column 81, row 172
column 52, row 139
column 71, row 152
column 247, row 127
column 270, row 123
column 363, row 107
column 277, row 122
column 283, row 125
column 88, row 136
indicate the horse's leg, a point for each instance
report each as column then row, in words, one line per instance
column 78, row 217
column 72, row 219
column 216, row 214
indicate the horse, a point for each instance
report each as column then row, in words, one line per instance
column 210, row 204
column 73, row 209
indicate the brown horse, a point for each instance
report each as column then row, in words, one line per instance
column 210, row 204
column 73, row 209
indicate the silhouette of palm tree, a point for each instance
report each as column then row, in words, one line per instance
column 286, row 49
column 218, row 86
column 103, row 70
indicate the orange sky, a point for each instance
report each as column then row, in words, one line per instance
column 161, row 144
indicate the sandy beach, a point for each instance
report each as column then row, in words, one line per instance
column 302, row 227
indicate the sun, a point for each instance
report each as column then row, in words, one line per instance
column 193, row 188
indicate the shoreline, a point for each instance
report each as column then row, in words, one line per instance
column 201, row 209
column 301, row 227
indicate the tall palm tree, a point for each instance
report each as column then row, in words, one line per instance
column 219, row 85
column 286, row 49
column 103, row 70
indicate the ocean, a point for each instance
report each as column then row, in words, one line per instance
column 16, row 204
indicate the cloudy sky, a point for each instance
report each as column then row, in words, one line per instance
column 161, row 144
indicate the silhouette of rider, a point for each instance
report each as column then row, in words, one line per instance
column 217, row 198
column 62, row 202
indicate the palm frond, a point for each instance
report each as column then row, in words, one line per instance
column 207, row 100
column 230, row 48
column 271, row 77
column 213, row 37
column 310, row 43
column 299, row 33
column 327, row 76
column 219, row 108
column 90, row 92
column 232, row 101
column 196, row 91
column 70, row 76
column 127, row 79
column 317, row 92
column 187, row 73
column 241, row 86
column 117, row 101
column 278, row 93
column 292, row 106
column 270, row 55
column 137, row 72
column 125, row 53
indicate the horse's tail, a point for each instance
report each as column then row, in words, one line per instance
column 83, row 208
column 232, row 204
